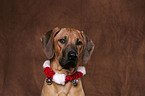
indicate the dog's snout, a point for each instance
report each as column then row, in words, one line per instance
column 72, row 55
column 69, row 59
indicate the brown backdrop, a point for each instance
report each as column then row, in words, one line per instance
column 117, row 27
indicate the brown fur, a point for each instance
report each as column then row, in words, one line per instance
column 54, row 49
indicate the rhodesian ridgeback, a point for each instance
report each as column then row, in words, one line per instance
column 67, row 50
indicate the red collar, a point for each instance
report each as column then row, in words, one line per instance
column 61, row 78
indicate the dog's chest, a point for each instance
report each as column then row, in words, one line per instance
column 63, row 89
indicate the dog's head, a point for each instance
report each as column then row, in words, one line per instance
column 67, row 46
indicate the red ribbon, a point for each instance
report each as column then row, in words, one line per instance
column 49, row 74
column 74, row 76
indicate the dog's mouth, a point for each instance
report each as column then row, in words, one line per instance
column 67, row 64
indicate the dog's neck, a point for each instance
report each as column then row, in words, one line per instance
column 55, row 66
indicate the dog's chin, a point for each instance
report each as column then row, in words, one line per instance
column 68, row 67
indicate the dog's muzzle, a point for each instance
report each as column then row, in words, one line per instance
column 69, row 59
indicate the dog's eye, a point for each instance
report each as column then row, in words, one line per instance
column 62, row 41
column 79, row 43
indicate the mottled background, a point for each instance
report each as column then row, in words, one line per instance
column 117, row 27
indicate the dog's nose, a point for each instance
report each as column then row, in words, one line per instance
column 72, row 55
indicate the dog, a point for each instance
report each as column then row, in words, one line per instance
column 67, row 49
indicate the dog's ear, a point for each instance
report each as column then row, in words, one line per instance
column 89, row 47
column 48, row 42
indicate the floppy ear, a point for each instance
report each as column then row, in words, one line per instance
column 88, row 50
column 48, row 42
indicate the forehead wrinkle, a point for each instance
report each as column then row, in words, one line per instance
column 78, row 35
column 72, row 38
column 62, row 34
column 70, row 33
